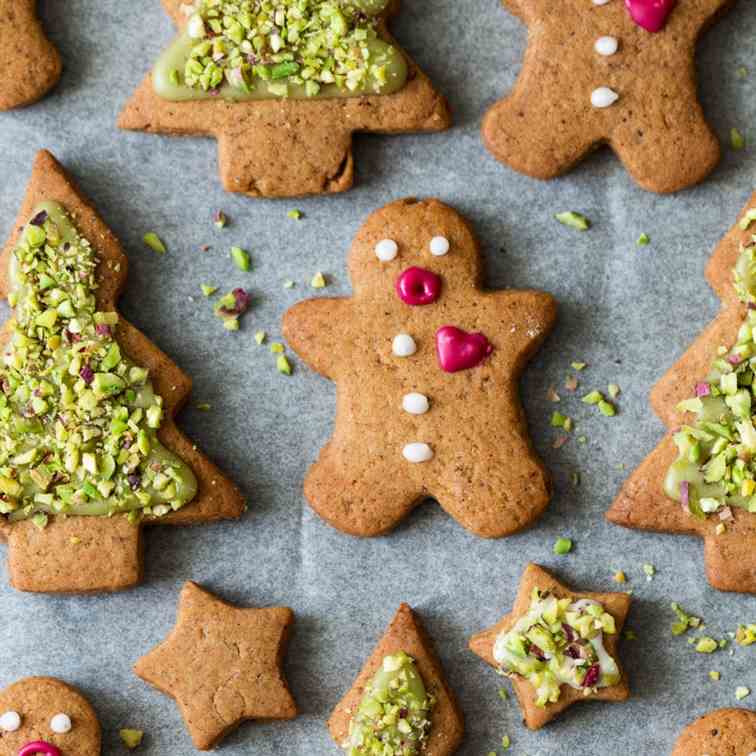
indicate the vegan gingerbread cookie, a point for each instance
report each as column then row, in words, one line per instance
column 222, row 665
column 701, row 479
column 47, row 717
column 400, row 702
column 724, row 731
column 30, row 63
column 426, row 367
column 616, row 72
column 558, row 647
column 89, row 451
column 283, row 88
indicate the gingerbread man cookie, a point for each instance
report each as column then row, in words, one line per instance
column 222, row 665
column 616, row 72
column 42, row 716
column 701, row 479
column 284, row 89
column 426, row 367
column 89, row 451
column 557, row 646
column 730, row 732
column 30, row 63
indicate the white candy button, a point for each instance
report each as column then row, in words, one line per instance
column 600, row 2
column 415, row 404
column 439, row 246
column 61, row 724
column 417, row 452
column 606, row 45
column 386, row 250
column 603, row 97
column 10, row 721
column 403, row 345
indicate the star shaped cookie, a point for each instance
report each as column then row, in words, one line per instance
column 30, row 63
column 49, row 560
column 287, row 147
column 730, row 555
column 222, row 665
column 593, row 75
column 426, row 366
column 482, row 644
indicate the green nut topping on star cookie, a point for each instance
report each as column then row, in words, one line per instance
column 78, row 419
column 393, row 718
column 266, row 49
column 558, row 642
column 716, row 464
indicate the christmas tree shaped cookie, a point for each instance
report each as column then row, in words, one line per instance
column 89, row 451
column 701, row 479
column 283, row 87
column 30, row 64
column 616, row 72
column 400, row 701
column 426, row 366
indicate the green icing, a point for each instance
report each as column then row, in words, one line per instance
column 393, row 718
column 267, row 49
column 717, row 452
column 78, row 419
column 559, row 641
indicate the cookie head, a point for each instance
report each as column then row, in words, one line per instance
column 414, row 254
column 41, row 715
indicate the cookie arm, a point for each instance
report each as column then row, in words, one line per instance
column 320, row 332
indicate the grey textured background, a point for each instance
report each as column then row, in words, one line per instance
column 627, row 311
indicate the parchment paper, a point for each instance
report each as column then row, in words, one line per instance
column 627, row 311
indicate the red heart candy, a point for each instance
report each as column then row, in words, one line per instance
column 459, row 350
column 650, row 14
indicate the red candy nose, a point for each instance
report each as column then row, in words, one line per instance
column 650, row 14
column 39, row 747
column 459, row 350
column 417, row 286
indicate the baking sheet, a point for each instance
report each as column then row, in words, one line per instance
column 627, row 311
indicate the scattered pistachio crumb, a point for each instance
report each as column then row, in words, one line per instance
column 219, row 219
column 720, row 529
column 503, row 694
column 643, row 240
column 714, row 675
column 203, row 406
column 593, row 397
column 155, row 243
column 684, row 620
column 629, row 635
column 737, row 140
column 579, row 365
column 260, row 337
column 558, row 420
column 573, row 220
column 506, row 742
column 706, row 645
column 231, row 324
column 294, row 214
column 318, row 281
column 650, row 571
column 277, row 348
column 562, row 546
column 283, row 365
column 607, row 409
column 575, row 479
column 40, row 520
column 742, row 692
column 613, row 390
column 567, row 424
column 552, row 395
column 619, row 577
column 131, row 738
column 582, row 440
column 241, row 258
column 745, row 635
column 288, row 284
column 741, row 72
column 208, row 291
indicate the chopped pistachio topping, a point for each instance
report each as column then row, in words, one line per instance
column 241, row 258
column 208, row 291
column 607, row 408
column 579, row 366
column 277, row 348
column 155, row 243
column 260, row 337
column 294, row 214
column 562, row 546
column 283, row 365
column 558, row 420
column 716, row 465
column 745, row 635
column 650, row 571
column 393, row 718
column 79, row 419
column 706, row 645
column 742, row 692
column 506, row 742
column 737, row 140
column 684, row 620
column 573, row 220
column 318, row 281
column 714, row 675
column 594, row 397
column 230, row 307
column 643, row 240
column 613, row 390
column 131, row 738
column 559, row 641
column 281, row 48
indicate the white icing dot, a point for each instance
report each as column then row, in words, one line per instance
column 196, row 27
column 606, row 45
column 439, row 246
column 403, row 345
column 10, row 721
column 386, row 250
column 415, row 404
column 603, row 97
column 61, row 724
column 417, row 452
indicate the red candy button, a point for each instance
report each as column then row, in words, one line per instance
column 417, row 286
column 37, row 747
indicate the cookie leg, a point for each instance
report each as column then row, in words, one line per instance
column 281, row 159
column 730, row 562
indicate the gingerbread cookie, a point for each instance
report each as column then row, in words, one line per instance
column 701, row 479
column 557, row 646
column 222, row 665
column 403, row 677
column 283, row 93
column 608, row 72
column 426, row 365
column 30, row 63
column 89, row 451
column 42, row 715
column 724, row 732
